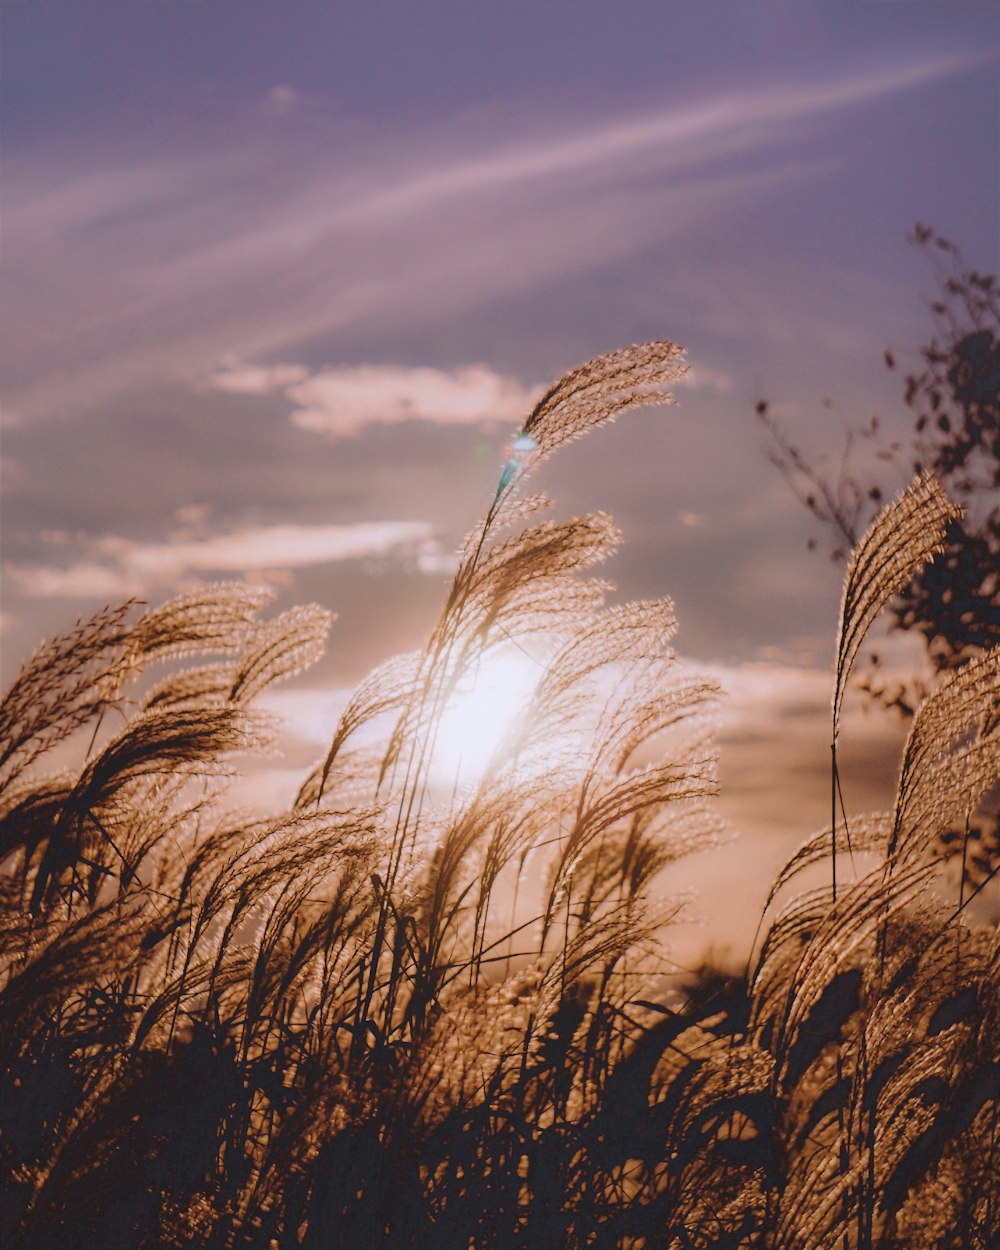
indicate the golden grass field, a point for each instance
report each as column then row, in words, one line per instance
column 426, row 1006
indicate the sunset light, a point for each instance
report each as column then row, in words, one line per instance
column 500, row 626
column 484, row 709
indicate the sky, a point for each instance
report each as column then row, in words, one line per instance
column 280, row 280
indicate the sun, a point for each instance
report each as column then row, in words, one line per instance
column 478, row 716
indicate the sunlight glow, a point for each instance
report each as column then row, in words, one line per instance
column 482, row 711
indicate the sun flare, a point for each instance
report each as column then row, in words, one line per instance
column 479, row 715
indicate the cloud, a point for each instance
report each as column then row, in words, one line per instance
column 702, row 378
column 126, row 271
column 341, row 401
column 240, row 378
column 694, row 132
column 85, row 580
column 119, row 567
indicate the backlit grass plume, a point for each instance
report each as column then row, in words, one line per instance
column 424, row 1007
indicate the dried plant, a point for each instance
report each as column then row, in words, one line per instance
column 416, row 1010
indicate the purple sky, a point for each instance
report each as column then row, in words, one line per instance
column 280, row 279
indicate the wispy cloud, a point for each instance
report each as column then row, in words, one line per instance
column 240, row 378
column 141, row 269
column 118, row 567
column 699, row 132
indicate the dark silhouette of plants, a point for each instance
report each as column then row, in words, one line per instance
column 411, row 1014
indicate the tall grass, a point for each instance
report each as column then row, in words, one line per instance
column 410, row 1014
